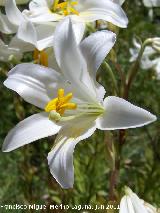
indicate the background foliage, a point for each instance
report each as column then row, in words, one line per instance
column 24, row 173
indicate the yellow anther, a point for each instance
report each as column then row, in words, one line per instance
column 44, row 58
column 62, row 5
column 69, row 106
column 40, row 57
column 72, row 10
column 51, row 105
column 60, row 93
column 36, row 55
column 68, row 97
column 73, row 3
column 65, row 12
column 61, row 103
column 65, row 8
column 54, row 7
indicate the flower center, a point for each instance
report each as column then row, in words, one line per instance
column 66, row 8
column 61, row 103
column 40, row 57
column 58, row 105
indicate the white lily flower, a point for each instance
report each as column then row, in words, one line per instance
column 5, row 25
column 6, row 52
column 37, row 24
column 2, row 2
column 151, row 3
column 131, row 203
column 147, row 61
column 78, row 109
column 14, row 49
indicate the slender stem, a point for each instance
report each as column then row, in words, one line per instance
column 134, row 69
column 114, row 81
column 115, row 172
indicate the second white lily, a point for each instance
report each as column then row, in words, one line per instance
column 72, row 99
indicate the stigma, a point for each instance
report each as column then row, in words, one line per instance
column 40, row 57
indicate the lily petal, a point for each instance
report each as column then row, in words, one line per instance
column 78, row 29
column 13, row 13
column 29, row 130
column 92, row 10
column 6, row 51
column 71, row 61
column 22, row 45
column 131, row 203
column 6, row 26
column 2, row 2
column 60, row 159
column 40, row 36
column 30, row 81
column 126, row 205
column 95, row 48
column 120, row 114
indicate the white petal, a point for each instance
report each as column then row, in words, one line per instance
column 31, row 82
column 126, row 205
column 6, row 26
column 137, row 204
column 120, row 114
column 78, row 29
column 66, row 51
column 27, row 32
column 29, row 130
column 2, row 2
column 41, row 15
column 6, row 51
column 71, row 61
column 60, row 159
column 96, row 47
column 22, row 45
column 107, row 10
column 13, row 13
column 151, row 3
column 40, row 36
column 119, row 1
column 37, row 4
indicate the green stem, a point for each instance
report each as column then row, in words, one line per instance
column 114, row 81
column 135, row 68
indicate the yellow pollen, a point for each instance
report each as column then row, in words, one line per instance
column 66, row 7
column 61, row 103
column 40, row 57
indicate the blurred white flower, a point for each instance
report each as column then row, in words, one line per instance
column 6, row 52
column 13, row 50
column 151, row 55
column 151, row 3
column 37, row 24
column 131, row 203
column 2, row 2
column 72, row 100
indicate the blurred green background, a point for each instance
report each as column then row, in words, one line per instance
column 24, row 173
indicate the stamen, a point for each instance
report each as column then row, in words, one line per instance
column 62, row 5
column 69, row 106
column 66, row 7
column 73, row 3
column 72, row 10
column 61, row 103
column 60, row 93
column 44, row 58
column 55, row 4
column 40, row 57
